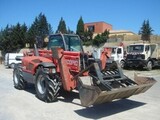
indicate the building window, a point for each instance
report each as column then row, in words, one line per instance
column 91, row 28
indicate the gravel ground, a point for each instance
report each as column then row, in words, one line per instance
column 23, row 105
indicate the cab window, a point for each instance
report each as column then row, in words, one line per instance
column 56, row 40
column 147, row 48
column 119, row 51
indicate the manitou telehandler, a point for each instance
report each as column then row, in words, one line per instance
column 64, row 65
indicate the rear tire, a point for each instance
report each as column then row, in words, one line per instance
column 47, row 86
column 149, row 65
column 18, row 80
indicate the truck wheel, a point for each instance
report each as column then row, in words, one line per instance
column 18, row 80
column 47, row 87
column 12, row 65
column 122, row 64
column 149, row 65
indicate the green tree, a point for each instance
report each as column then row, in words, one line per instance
column 50, row 29
column 39, row 30
column 80, row 28
column 97, row 40
column 24, row 30
column 146, row 31
column 62, row 26
column 69, row 31
column 105, row 36
column 5, row 39
column 13, row 38
column 100, row 39
column 31, row 35
column 18, row 35
column 87, row 38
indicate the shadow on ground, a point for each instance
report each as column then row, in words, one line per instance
column 108, row 109
column 102, row 110
column 141, row 68
column 69, row 97
column 31, row 89
column 96, row 111
column 63, row 95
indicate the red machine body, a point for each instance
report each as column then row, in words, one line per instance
column 64, row 65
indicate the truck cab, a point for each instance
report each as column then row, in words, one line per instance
column 142, row 55
column 117, row 54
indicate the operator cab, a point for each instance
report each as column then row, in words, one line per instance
column 68, row 42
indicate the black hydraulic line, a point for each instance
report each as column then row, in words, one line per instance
column 81, row 72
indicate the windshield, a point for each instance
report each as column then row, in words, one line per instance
column 72, row 43
column 135, row 48
column 55, row 40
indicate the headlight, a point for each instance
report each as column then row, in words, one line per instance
column 53, row 70
column 140, row 57
column 50, row 70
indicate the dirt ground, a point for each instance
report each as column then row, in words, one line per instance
column 23, row 105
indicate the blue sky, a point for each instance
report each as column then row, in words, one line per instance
column 122, row 14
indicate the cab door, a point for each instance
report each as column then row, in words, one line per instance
column 119, row 54
column 147, row 51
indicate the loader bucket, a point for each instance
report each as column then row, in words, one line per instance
column 91, row 94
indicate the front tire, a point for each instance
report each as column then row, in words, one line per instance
column 149, row 65
column 12, row 65
column 47, row 86
column 18, row 80
column 122, row 63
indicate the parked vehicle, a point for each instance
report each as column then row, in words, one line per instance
column 143, row 55
column 65, row 66
column 117, row 54
column 1, row 58
column 10, row 59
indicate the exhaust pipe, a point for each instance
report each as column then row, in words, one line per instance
column 36, row 50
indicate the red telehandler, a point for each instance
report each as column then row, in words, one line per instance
column 64, row 65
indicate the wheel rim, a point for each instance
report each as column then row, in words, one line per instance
column 149, row 65
column 41, row 84
column 12, row 65
column 122, row 64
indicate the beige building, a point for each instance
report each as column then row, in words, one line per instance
column 100, row 27
column 120, row 33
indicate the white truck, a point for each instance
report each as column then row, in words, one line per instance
column 10, row 59
column 117, row 54
column 143, row 55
